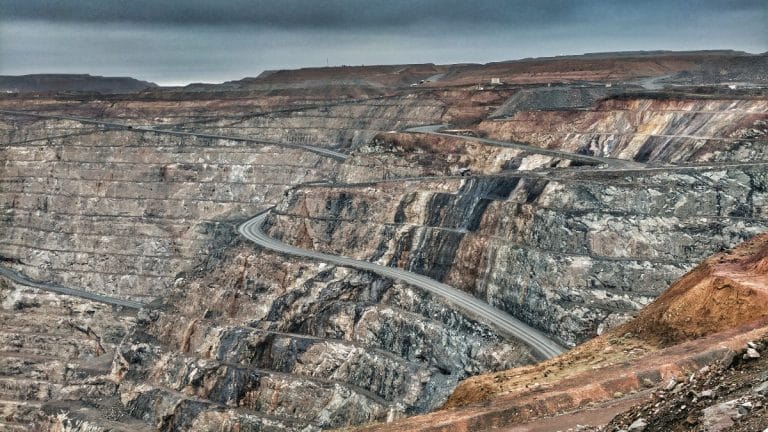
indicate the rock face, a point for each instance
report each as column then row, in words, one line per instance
column 53, row 348
column 679, row 365
column 725, row 291
column 142, row 202
column 121, row 212
column 346, row 125
column 647, row 130
column 561, row 255
column 315, row 345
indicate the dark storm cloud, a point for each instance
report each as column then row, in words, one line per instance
column 182, row 41
column 365, row 13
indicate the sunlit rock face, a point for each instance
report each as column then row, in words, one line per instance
column 646, row 130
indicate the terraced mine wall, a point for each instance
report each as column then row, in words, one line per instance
column 570, row 256
column 265, row 340
column 563, row 256
column 51, row 346
column 646, row 130
column 121, row 212
column 235, row 337
column 239, row 339
column 335, row 125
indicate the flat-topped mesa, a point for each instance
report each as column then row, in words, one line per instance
column 71, row 83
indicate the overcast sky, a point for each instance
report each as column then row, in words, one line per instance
column 182, row 41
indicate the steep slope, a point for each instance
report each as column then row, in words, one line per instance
column 314, row 345
column 130, row 202
column 53, row 348
column 725, row 291
column 564, row 256
column 121, row 212
column 623, row 367
column 660, row 130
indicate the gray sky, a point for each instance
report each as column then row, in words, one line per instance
column 181, row 41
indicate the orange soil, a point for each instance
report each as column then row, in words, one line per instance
column 726, row 290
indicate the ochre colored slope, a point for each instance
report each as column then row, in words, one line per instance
column 725, row 291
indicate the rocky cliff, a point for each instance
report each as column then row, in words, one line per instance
column 261, row 338
column 690, row 360
column 121, row 212
column 54, row 348
column 646, row 130
column 563, row 255
column 138, row 197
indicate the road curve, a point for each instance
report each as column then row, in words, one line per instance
column 594, row 160
column 58, row 289
column 318, row 150
column 542, row 345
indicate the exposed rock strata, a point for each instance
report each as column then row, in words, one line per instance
column 671, row 361
column 240, row 339
column 310, row 346
column 647, row 130
column 53, row 348
column 562, row 256
column 122, row 212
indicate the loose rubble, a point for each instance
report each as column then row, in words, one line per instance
column 729, row 396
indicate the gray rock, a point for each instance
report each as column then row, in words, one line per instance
column 761, row 388
column 720, row 417
column 751, row 354
column 728, row 359
column 638, row 425
column 670, row 384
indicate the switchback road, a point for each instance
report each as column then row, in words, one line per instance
column 502, row 321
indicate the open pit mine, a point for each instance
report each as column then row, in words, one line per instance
column 531, row 245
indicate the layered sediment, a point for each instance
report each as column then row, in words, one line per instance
column 646, row 130
column 319, row 345
column 564, row 256
column 233, row 337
